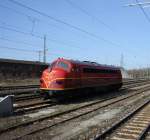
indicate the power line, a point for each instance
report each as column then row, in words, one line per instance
column 145, row 14
column 52, row 18
column 23, row 50
column 29, row 51
column 138, row 3
column 18, row 31
column 18, row 42
column 8, row 25
column 37, row 19
column 146, row 6
column 63, row 22
column 29, row 16
column 62, row 43
column 33, row 34
column 87, row 13
column 37, row 36
column 16, row 11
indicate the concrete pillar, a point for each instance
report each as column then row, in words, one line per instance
column 6, row 105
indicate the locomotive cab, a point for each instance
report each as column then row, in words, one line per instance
column 56, row 77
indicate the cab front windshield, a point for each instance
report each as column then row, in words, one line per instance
column 62, row 65
column 59, row 64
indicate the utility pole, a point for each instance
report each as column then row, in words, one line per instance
column 39, row 55
column 122, row 61
column 44, row 51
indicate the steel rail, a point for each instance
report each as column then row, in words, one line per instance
column 118, row 124
column 143, row 134
column 84, row 112
column 34, row 106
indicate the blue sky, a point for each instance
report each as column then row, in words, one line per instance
column 116, row 30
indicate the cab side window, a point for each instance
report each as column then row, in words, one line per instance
column 76, row 69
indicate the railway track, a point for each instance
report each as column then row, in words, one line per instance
column 18, row 87
column 134, row 81
column 28, row 97
column 37, row 125
column 147, row 136
column 131, row 85
column 30, row 92
column 18, row 90
column 48, row 103
column 43, row 104
column 134, row 126
column 33, row 106
column 31, row 95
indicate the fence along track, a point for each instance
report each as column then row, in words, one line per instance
column 134, row 126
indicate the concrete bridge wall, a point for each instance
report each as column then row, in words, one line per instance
column 20, row 72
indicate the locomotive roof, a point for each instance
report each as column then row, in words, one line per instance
column 88, row 63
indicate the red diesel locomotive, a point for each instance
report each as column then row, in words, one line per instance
column 68, row 75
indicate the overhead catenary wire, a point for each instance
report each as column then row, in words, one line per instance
column 146, row 6
column 18, row 49
column 51, row 17
column 33, row 34
column 87, row 13
column 37, row 36
column 18, row 31
column 18, row 42
column 29, row 16
column 64, row 23
column 30, row 51
column 18, row 12
column 37, row 20
column 138, row 3
column 145, row 14
column 4, row 24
